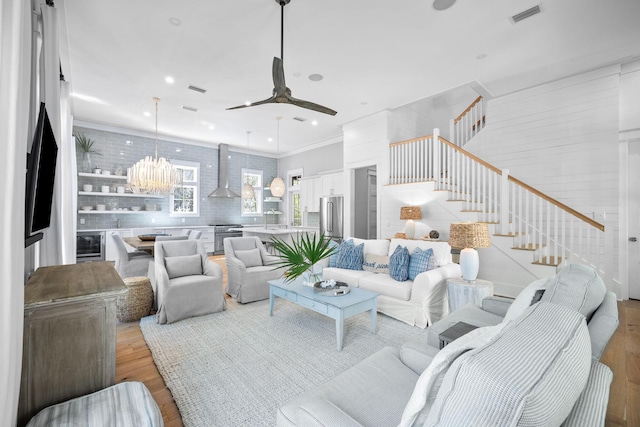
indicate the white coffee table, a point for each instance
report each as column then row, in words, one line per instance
column 339, row 307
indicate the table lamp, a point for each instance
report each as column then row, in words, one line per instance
column 468, row 236
column 410, row 213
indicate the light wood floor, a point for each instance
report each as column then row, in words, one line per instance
column 134, row 363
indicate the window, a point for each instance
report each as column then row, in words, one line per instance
column 252, row 207
column 184, row 200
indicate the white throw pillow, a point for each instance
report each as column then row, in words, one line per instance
column 185, row 265
column 376, row 263
column 529, row 296
column 250, row 257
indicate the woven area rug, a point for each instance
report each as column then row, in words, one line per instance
column 237, row 367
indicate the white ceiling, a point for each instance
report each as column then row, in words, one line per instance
column 373, row 55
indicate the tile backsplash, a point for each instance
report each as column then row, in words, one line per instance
column 118, row 151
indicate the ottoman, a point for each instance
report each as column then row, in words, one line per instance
column 136, row 302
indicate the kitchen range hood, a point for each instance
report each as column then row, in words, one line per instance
column 223, row 174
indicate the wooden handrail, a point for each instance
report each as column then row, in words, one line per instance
column 516, row 181
column 409, row 141
column 528, row 187
column 473, row 104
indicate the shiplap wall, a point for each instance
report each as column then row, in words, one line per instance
column 562, row 138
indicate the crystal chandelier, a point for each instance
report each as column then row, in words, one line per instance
column 155, row 176
column 247, row 189
column 277, row 185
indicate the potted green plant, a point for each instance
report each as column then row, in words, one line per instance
column 302, row 254
column 85, row 145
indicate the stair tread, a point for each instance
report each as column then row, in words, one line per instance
column 528, row 247
column 551, row 261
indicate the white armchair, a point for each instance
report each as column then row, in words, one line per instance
column 249, row 268
column 130, row 264
column 187, row 282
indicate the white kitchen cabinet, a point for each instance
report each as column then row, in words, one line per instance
column 332, row 184
column 208, row 238
column 310, row 192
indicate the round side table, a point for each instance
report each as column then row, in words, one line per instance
column 136, row 302
column 461, row 292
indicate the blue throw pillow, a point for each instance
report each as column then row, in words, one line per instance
column 399, row 264
column 420, row 261
column 333, row 258
column 351, row 257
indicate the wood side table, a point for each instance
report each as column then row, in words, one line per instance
column 461, row 292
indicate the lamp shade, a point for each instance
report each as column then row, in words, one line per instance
column 410, row 212
column 469, row 235
column 277, row 187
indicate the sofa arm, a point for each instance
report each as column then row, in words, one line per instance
column 320, row 413
column 591, row 407
column 417, row 355
column 429, row 290
column 497, row 305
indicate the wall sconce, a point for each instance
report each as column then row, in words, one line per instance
column 410, row 213
column 468, row 236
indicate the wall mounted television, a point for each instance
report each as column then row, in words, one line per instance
column 41, row 172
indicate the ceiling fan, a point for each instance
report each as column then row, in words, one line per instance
column 281, row 93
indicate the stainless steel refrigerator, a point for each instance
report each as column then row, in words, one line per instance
column 332, row 216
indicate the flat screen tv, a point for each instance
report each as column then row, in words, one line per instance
column 41, row 173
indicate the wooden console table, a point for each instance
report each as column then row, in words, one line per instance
column 69, row 340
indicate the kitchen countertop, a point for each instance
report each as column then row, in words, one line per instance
column 274, row 231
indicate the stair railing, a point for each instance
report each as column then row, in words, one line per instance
column 553, row 231
column 469, row 122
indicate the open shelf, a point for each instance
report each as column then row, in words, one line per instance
column 95, row 212
column 99, row 193
column 99, row 175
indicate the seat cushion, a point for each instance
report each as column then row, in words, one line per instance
column 350, row 277
column 373, row 392
column 385, row 285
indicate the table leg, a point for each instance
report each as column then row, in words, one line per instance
column 271, row 298
column 374, row 318
column 340, row 329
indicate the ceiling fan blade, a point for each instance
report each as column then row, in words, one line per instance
column 264, row 101
column 311, row 106
column 279, row 84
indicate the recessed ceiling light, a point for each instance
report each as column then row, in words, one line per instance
column 314, row 122
column 270, row 139
column 211, row 127
column 175, row 21
column 247, row 103
column 315, row 77
column 443, row 4
column 169, row 80
column 481, row 56
column 147, row 114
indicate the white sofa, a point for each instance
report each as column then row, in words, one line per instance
column 420, row 302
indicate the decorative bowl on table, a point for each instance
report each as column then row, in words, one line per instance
column 150, row 237
column 331, row 288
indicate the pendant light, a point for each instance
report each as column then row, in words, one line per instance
column 247, row 189
column 154, row 175
column 277, row 185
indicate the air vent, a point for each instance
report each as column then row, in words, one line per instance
column 186, row 107
column 526, row 14
column 196, row 88
column 300, row 119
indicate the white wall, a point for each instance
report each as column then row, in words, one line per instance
column 15, row 40
column 318, row 160
column 562, row 139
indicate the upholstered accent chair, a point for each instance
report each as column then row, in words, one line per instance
column 187, row 282
column 195, row 234
column 130, row 264
column 249, row 268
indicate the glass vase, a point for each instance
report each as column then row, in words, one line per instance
column 85, row 165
